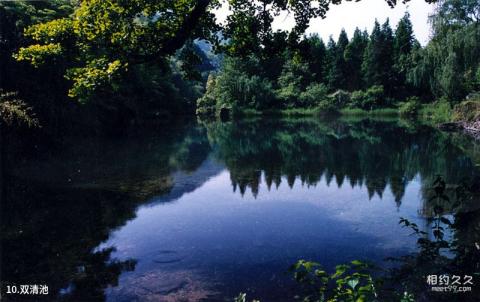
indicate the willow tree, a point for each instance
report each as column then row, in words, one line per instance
column 449, row 64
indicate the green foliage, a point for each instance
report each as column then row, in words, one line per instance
column 354, row 54
column 327, row 106
column 98, row 74
column 314, row 94
column 338, row 69
column 373, row 66
column 341, row 98
column 449, row 83
column 236, row 87
column 477, row 77
column 101, row 38
column 316, row 57
column 39, row 54
column 372, row 98
column 190, row 59
column 249, row 26
column 439, row 111
column 403, row 44
column 447, row 66
column 293, row 80
column 207, row 103
column 378, row 58
column 410, row 108
column 382, row 112
column 404, row 39
column 349, row 283
column 141, row 32
column 100, row 46
column 446, row 245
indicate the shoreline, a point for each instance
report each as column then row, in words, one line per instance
column 470, row 128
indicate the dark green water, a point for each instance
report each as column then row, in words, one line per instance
column 207, row 210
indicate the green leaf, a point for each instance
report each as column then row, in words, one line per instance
column 340, row 270
column 353, row 283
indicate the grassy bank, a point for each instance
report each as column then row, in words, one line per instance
column 374, row 112
column 316, row 111
column 279, row 112
column 433, row 113
column 437, row 112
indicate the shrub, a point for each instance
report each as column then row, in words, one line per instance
column 313, row 95
column 206, row 104
column 467, row 111
column 370, row 99
column 357, row 99
column 248, row 92
column 410, row 107
column 375, row 96
column 263, row 95
column 327, row 106
column 292, row 81
column 341, row 98
column 236, row 89
column 438, row 112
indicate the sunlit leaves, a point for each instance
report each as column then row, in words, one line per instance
column 53, row 31
column 101, row 37
column 98, row 73
column 39, row 54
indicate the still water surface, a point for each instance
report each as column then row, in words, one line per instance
column 203, row 211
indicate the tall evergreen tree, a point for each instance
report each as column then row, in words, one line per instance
column 354, row 58
column 404, row 42
column 370, row 64
column 387, row 57
column 377, row 66
column 338, row 73
column 330, row 63
column 317, row 57
column 404, row 37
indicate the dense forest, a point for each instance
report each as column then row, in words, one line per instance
column 387, row 68
column 109, row 64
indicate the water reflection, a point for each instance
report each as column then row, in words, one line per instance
column 154, row 217
column 367, row 153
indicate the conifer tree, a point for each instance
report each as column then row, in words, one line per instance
column 354, row 57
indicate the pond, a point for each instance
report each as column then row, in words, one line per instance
column 205, row 210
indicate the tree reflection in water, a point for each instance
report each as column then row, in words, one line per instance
column 56, row 211
column 375, row 155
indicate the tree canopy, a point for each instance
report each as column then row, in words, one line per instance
column 100, row 40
